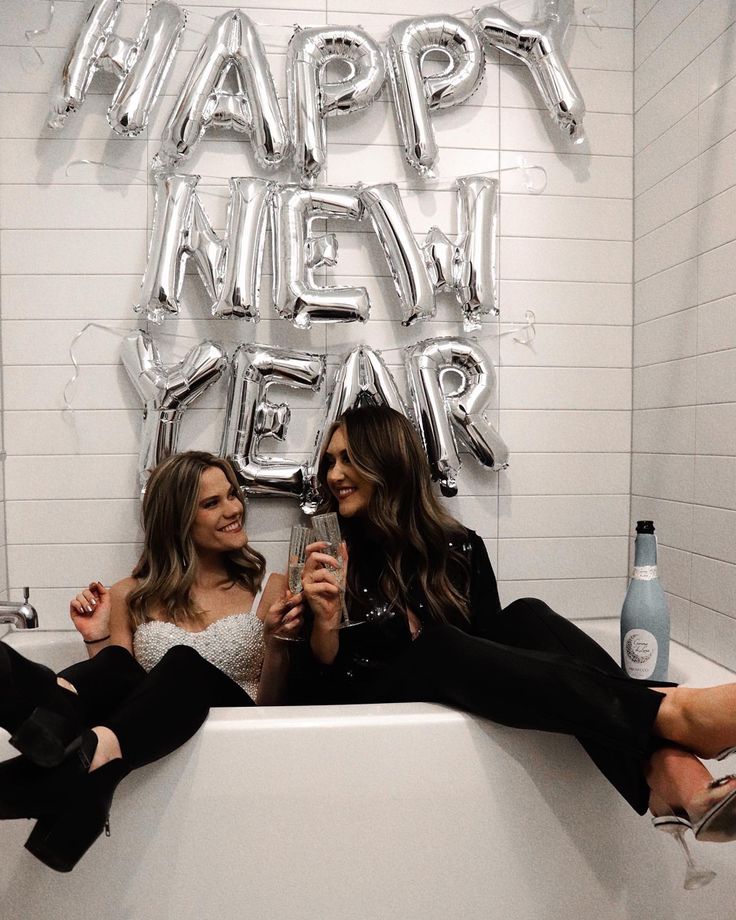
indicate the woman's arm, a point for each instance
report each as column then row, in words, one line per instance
column 100, row 615
column 121, row 629
column 322, row 593
column 483, row 599
column 281, row 613
column 90, row 614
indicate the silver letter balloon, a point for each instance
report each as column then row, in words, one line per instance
column 296, row 254
column 312, row 97
column 233, row 46
column 250, row 416
column 443, row 413
column 467, row 267
column 141, row 65
column 539, row 45
column 416, row 95
column 167, row 391
column 361, row 379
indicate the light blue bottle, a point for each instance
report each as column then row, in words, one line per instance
column 645, row 617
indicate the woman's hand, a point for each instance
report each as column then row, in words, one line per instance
column 284, row 620
column 90, row 612
column 322, row 588
column 321, row 585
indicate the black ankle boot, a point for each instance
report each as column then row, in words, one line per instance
column 44, row 719
column 30, row 791
column 61, row 840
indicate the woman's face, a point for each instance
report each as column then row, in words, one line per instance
column 352, row 490
column 218, row 524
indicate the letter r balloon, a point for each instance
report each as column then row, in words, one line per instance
column 449, row 418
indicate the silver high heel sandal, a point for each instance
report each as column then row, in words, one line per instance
column 718, row 823
column 695, row 876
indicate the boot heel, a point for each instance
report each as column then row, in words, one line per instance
column 46, row 737
column 62, row 840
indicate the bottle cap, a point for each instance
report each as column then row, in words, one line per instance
column 645, row 526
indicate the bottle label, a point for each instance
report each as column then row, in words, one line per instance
column 645, row 572
column 640, row 653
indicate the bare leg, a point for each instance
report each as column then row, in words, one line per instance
column 62, row 682
column 676, row 778
column 679, row 782
column 701, row 720
column 108, row 747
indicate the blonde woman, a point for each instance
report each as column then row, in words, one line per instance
column 194, row 626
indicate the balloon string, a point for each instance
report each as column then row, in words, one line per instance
column 137, row 173
column 34, row 33
column 68, row 407
column 296, row 27
column 533, row 187
column 524, row 334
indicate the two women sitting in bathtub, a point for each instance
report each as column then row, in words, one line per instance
column 199, row 623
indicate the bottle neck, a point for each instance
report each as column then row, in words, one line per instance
column 645, row 549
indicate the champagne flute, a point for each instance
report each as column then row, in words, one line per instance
column 300, row 537
column 327, row 529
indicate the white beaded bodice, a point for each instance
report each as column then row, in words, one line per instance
column 234, row 644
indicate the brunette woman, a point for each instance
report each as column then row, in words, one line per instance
column 434, row 631
column 196, row 625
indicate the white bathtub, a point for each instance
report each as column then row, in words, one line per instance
column 402, row 812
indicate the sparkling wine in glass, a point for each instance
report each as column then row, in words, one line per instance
column 300, row 537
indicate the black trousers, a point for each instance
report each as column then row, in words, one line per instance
column 541, row 672
column 151, row 713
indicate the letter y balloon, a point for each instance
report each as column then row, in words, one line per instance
column 539, row 45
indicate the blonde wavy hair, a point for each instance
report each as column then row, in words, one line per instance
column 404, row 516
column 167, row 567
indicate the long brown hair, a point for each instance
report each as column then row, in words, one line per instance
column 406, row 520
column 167, row 567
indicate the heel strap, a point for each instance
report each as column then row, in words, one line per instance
column 661, row 822
column 721, row 781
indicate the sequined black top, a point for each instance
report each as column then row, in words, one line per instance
column 383, row 632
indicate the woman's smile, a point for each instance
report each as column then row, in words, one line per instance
column 352, row 490
column 232, row 527
column 218, row 524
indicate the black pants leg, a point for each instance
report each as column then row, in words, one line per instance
column 530, row 623
column 103, row 682
column 170, row 704
column 543, row 689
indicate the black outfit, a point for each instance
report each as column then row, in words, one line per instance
column 525, row 666
column 151, row 713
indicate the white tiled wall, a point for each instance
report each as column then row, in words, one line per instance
column 684, row 446
column 73, row 249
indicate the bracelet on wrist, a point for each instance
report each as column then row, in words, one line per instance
column 95, row 641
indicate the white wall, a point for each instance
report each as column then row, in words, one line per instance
column 684, row 446
column 73, row 249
